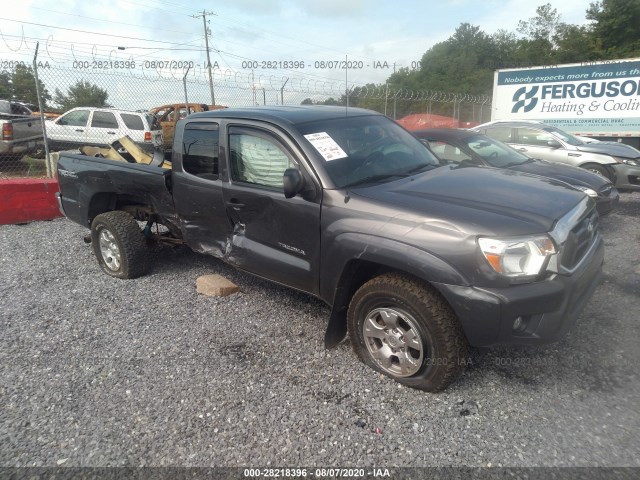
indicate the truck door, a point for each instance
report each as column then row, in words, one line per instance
column 197, row 189
column 273, row 237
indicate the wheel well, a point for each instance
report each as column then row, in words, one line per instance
column 606, row 167
column 355, row 274
column 100, row 203
column 108, row 201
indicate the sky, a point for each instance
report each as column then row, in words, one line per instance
column 260, row 41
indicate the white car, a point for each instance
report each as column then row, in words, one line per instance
column 101, row 127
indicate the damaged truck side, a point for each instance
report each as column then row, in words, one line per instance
column 417, row 260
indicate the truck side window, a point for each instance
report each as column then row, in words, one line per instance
column 200, row 149
column 256, row 159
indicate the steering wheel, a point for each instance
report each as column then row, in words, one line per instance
column 367, row 163
column 493, row 155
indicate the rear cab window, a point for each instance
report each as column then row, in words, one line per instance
column 200, row 150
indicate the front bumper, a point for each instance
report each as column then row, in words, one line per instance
column 606, row 203
column 627, row 176
column 548, row 309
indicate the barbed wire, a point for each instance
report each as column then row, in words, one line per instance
column 290, row 81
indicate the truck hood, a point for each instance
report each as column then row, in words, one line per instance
column 616, row 150
column 491, row 200
column 566, row 173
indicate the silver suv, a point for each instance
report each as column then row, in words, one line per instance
column 618, row 162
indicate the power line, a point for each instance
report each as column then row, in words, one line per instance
column 155, row 7
column 88, row 32
column 168, row 43
column 106, row 21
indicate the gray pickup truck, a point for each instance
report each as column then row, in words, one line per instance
column 417, row 260
column 21, row 131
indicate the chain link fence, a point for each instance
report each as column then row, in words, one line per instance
column 145, row 105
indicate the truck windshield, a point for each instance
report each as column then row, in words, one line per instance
column 366, row 149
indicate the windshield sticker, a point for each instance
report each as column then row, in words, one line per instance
column 326, row 145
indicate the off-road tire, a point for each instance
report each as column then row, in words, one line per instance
column 445, row 348
column 121, row 231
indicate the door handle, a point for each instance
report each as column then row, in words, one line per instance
column 111, row 133
column 235, row 204
column 79, row 130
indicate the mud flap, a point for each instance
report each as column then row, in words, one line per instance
column 337, row 328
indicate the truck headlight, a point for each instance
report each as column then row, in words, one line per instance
column 587, row 190
column 517, row 257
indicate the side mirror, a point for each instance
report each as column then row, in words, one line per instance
column 293, row 182
column 554, row 144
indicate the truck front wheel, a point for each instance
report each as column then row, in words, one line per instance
column 403, row 329
column 119, row 245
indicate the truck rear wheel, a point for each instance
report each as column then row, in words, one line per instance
column 119, row 245
column 403, row 329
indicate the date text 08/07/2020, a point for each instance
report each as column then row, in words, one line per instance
column 316, row 472
column 245, row 65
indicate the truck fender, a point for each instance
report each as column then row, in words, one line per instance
column 367, row 256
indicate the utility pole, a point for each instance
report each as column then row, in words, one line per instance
column 395, row 97
column 206, row 42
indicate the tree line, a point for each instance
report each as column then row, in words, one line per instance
column 19, row 84
column 466, row 61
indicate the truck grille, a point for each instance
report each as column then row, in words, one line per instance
column 580, row 239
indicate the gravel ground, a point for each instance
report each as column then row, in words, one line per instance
column 103, row 372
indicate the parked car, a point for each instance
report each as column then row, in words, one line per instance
column 416, row 259
column 458, row 146
column 617, row 162
column 21, row 131
column 84, row 126
column 168, row 116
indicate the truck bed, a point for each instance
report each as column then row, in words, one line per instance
column 90, row 182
